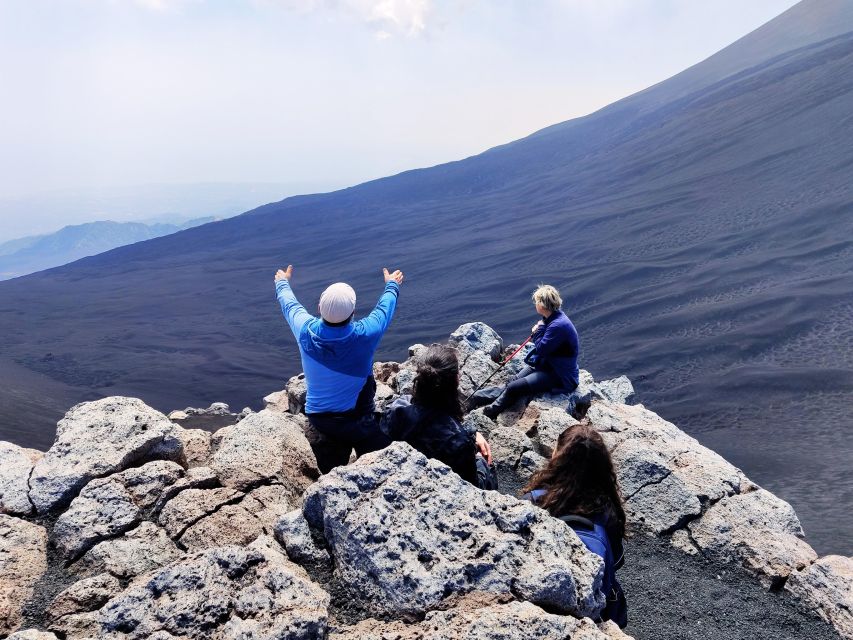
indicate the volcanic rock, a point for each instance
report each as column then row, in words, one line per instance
column 23, row 560
column 405, row 533
column 98, row 438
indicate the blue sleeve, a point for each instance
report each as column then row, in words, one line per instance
column 548, row 341
column 293, row 311
column 378, row 320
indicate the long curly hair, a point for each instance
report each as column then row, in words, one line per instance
column 580, row 479
column 436, row 384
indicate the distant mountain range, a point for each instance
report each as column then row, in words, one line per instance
column 701, row 232
column 36, row 253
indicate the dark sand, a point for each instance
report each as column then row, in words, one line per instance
column 672, row 596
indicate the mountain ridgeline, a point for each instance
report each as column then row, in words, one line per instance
column 700, row 231
column 36, row 253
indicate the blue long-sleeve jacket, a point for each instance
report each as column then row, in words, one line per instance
column 557, row 347
column 336, row 360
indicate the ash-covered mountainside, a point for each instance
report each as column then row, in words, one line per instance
column 701, row 232
column 133, row 527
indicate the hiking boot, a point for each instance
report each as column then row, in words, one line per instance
column 497, row 407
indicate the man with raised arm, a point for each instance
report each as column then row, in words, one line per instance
column 337, row 358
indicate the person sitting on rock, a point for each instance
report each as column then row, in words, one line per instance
column 552, row 366
column 579, row 486
column 337, row 358
column 430, row 419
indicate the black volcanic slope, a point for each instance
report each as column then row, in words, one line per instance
column 700, row 230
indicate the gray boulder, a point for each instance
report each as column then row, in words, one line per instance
column 263, row 447
column 23, row 560
column 294, row 534
column 276, row 401
column 477, row 336
column 476, row 367
column 32, row 634
column 140, row 550
column 404, row 381
column 107, row 507
column 646, row 450
column 16, row 463
column 550, row 425
column 510, row 621
column 529, row 463
column 96, row 439
column 618, row 390
column 224, row 592
column 826, row 587
column 757, row 529
column 101, row 511
column 85, row 595
column 297, row 393
column 405, row 533
column 196, row 446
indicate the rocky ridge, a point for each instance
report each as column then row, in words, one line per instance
column 131, row 526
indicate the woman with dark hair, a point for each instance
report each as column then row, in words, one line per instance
column 431, row 419
column 579, row 486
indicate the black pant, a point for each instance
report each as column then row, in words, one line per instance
column 340, row 433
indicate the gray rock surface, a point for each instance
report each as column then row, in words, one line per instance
column 405, row 533
column 224, row 592
column 191, row 505
column 476, row 367
column 550, row 425
column 140, row 550
column 404, row 381
column 23, row 560
column 618, row 390
column 510, row 621
column 263, row 447
column 98, row 438
column 757, row 529
column 32, row 634
column 826, row 587
column 384, row 396
column 196, row 478
column 529, row 463
column 84, row 595
column 293, row 533
column 477, row 336
column 276, row 401
column 102, row 511
column 297, row 391
column 107, row 507
column 16, row 464
column 196, row 445
column 508, row 445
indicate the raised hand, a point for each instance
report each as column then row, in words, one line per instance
column 397, row 276
column 281, row 274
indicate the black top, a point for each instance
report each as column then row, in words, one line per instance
column 433, row 433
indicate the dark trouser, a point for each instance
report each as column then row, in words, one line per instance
column 340, row 433
column 527, row 382
column 487, row 478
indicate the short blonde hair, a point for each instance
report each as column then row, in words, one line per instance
column 548, row 297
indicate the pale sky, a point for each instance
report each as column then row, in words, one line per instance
column 100, row 93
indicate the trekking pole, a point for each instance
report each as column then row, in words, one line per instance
column 502, row 365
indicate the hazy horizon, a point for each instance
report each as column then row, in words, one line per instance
column 115, row 95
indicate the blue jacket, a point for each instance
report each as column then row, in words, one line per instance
column 336, row 360
column 557, row 348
